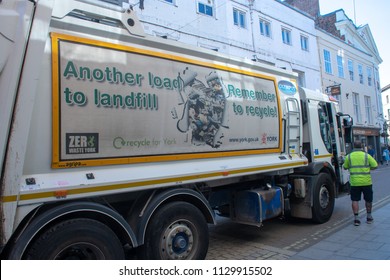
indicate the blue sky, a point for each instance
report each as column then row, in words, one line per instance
column 376, row 14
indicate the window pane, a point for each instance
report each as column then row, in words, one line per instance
column 340, row 66
column 328, row 63
column 286, row 36
column 201, row 8
column 262, row 32
column 360, row 69
column 367, row 103
column 209, row 10
column 235, row 16
column 324, row 126
column 369, row 76
column 239, row 18
column 356, row 107
column 265, row 29
column 242, row 19
column 350, row 70
column 304, row 43
column 205, row 9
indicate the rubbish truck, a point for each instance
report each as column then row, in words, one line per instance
column 112, row 140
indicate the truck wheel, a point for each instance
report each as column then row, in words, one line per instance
column 77, row 239
column 177, row 231
column 323, row 198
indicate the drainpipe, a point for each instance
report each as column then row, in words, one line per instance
column 251, row 19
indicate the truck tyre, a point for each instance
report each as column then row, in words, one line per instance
column 176, row 231
column 323, row 198
column 77, row 239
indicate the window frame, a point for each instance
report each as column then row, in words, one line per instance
column 327, row 62
column 369, row 76
column 351, row 70
column 286, row 36
column 340, row 66
column 239, row 18
column 205, row 6
column 265, row 27
column 356, row 106
column 367, row 108
column 360, row 73
column 324, row 125
column 376, row 77
column 304, row 43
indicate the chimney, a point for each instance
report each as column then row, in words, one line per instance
column 311, row 7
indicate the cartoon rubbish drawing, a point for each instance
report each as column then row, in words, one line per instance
column 204, row 112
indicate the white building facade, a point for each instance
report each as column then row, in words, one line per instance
column 386, row 112
column 349, row 70
column 268, row 31
column 349, row 67
column 328, row 53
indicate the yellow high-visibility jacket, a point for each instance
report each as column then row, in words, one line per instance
column 360, row 164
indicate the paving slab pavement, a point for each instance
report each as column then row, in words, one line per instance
column 346, row 242
column 364, row 242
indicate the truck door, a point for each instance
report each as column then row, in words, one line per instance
column 333, row 136
column 339, row 141
column 344, row 125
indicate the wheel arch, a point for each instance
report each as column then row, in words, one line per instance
column 165, row 197
column 302, row 208
column 47, row 215
column 315, row 168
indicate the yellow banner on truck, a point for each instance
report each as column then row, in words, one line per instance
column 116, row 104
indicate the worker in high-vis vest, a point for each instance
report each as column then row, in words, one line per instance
column 360, row 164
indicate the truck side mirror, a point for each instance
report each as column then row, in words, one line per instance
column 348, row 122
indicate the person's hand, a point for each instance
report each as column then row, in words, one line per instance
column 341, row 160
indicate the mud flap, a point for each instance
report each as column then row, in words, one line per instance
column 301, row 207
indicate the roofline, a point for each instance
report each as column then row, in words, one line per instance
column 357, row 28
column 296, row 9
column 342, row 41
column 345, row 14
column 385, row 88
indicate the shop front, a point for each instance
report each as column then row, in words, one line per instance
column 369, row 137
